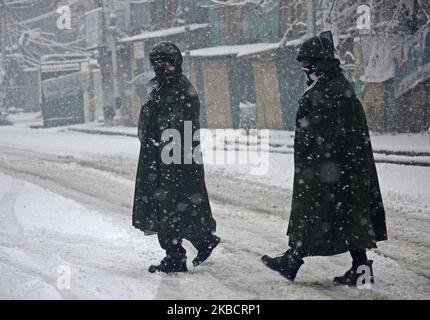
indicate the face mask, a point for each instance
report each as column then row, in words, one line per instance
column 311, row 74
column 162, row 73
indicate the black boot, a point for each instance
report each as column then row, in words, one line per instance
column 287, row 265
column 351, row 276
column 170, row 265
column 205, row 249
column 175, row 260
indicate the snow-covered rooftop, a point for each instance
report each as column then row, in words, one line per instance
column 239, row 50
column 163, row 33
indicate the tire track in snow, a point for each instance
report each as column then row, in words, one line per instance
column 236, row 203
column 21, row 256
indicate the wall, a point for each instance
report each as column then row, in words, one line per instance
column 268, row 102
column 194, row 71
column 216, row 93
column 291, row 80
column 32, row 90
column 409, row 113
column 413, row 111
column 240, row 24
column 64, row 99
column 374, row 104
column 125, row 55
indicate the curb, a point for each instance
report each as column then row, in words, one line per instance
column 290, row 149
column 108, row 133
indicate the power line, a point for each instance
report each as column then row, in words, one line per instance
column 21, row 4
column 45, row 15
column 31, row 51
column 9, row 34
column 39, row 18
column 47, row 42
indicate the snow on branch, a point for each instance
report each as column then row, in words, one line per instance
column 266, row 4
column 299, row 21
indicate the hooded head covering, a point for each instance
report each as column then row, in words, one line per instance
column 317, row 48
column 167, row 51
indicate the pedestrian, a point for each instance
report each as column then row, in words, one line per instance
column 336, row 205
column 170, row 198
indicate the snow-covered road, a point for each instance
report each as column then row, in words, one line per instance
column 65, row 204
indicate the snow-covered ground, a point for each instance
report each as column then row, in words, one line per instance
column 409, row 149
column 65, row 209
column 414, row 143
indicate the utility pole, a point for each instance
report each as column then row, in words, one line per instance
column 2, row 58
column 187, row 9
column 112, row 45
column 112, row 39
column 310, row 18
column 111, row 89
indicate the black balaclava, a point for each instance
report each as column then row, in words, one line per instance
column 166, row 51
column 164, row 72
column 320, row 51
column 320, row 67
